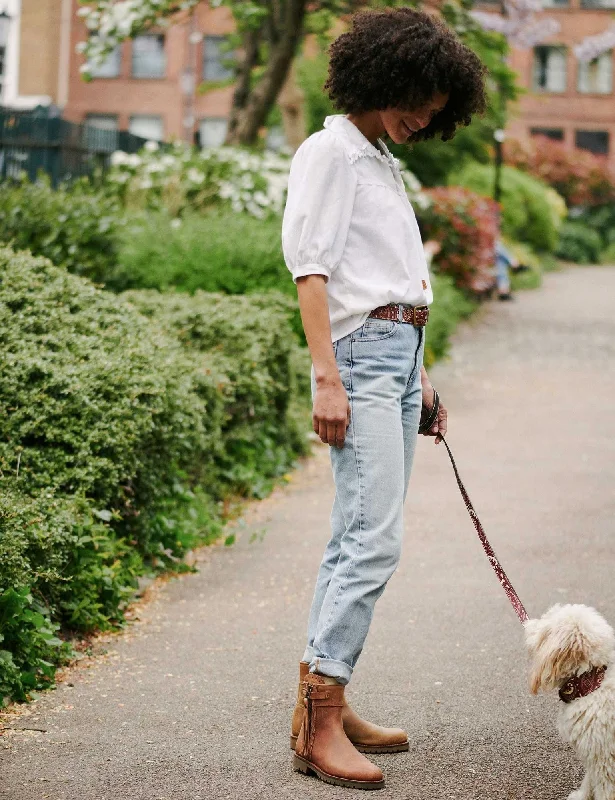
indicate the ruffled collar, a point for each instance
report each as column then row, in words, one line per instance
column 357, row 144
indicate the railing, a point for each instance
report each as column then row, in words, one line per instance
column 31, row 141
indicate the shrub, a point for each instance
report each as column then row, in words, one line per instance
column 184, row 179
column 245, row 344
column 126, row 422
column 608, row 256
column 581, row 178
column 218, row 252
column 465, row 225
column 579, row 243
column 528, row 212
column 449, row 307
column 600, row 218
column 74, row 226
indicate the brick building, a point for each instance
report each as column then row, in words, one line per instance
column 568, row 100
column 143, row 86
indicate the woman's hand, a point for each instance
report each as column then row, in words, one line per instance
column 440, row 426
column 331, row 412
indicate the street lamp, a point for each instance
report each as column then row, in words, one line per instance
column 498, row 135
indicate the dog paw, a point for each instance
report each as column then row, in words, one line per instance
column 579, row 794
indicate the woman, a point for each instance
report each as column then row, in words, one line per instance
column 352, row 244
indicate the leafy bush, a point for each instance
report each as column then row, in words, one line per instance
column 218, row 252
column 579, row 243
column 600, row 218
column 608, row 256
column 580, row 177
column 74, row 226
column 245, row 344
column 465, row 225
column 528, row 210
column 449, row 307
column 126, row 423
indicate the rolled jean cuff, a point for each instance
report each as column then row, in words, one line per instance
column 333, row 669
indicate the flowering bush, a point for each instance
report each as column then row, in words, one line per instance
column 528, row 211
column 182, row 178
column 581, row 177
column 465, row 224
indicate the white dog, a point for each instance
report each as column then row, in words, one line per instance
column 571, row 647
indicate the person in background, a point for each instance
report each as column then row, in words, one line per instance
column 504, row 261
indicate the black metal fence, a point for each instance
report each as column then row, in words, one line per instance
column 31, row 141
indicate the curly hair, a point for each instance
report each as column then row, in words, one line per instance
column 400, row 58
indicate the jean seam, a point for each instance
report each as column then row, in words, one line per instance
column 380, row 338
column 416, row 357
column 357, row 462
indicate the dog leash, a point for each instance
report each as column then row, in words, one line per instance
column 493, row 559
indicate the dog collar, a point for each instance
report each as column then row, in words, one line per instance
column 582, row 685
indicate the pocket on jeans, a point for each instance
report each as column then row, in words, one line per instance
column 373, row 330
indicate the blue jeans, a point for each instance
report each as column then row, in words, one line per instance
column 379, row 364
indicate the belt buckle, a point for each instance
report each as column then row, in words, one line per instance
column 418, row 308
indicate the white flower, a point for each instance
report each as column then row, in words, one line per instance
column 176, row 223
column 195, row 175
column 151, row 146
column 118, row 158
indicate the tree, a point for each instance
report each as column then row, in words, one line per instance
column 267, row 38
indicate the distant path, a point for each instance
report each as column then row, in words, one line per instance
column 194, row 703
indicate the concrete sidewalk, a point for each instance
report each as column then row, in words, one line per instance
column 194, row 702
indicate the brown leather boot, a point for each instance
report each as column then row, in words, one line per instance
column 323, row 749
column 365, row 736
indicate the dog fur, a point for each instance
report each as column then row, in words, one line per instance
column 568, row 640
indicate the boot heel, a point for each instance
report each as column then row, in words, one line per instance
column 299, row 765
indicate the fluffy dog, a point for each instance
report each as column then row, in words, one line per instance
column 572, row 649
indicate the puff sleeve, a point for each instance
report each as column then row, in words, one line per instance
column 321, row 192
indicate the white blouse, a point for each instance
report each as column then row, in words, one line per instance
column 348, row 217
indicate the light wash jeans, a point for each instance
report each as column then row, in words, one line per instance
column 379, row 364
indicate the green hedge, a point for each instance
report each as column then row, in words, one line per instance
column 126, row 422
column 449, row 307
column 579, row 243
column 76, row 226
column 528, row 213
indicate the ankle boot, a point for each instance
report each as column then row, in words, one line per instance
column 323, row 749
column 365, row 736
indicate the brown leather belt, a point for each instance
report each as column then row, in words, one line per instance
column 414, row 315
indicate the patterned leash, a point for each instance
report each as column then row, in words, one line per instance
column 493, row 559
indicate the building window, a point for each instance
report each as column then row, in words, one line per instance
column 549, row 69
column 557, row 134
column 147, row 126
column 148, row 57
column 110, row 67
column 596, row 76
column 100, row 132
column 594, row 141
column 608, row 4
column 212, row 131
column 215, row 67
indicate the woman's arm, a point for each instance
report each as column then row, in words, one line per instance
column 331, row 410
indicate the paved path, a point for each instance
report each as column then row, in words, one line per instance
column 194, row 702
